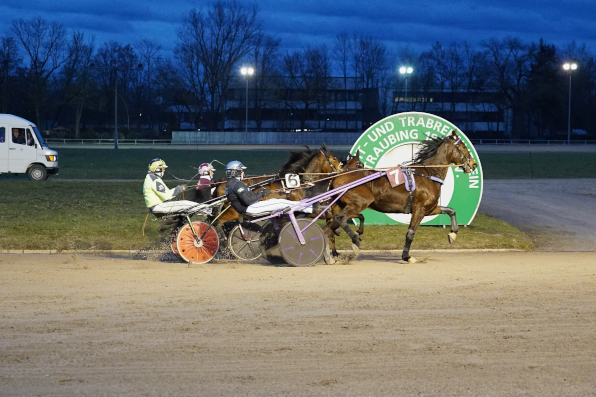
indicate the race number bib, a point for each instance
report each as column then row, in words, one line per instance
column 395, row 176
column 292, row 181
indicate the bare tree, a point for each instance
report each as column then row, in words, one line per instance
column 454, row 71
column 266, row 61
column 9, row 62
column 508, row 65
column 342, row 50
column 474, row 78
column 308, row 74
column 115, row 61
column 148, row 50
column 45, row 44
column 439, row 64
column 172, row 98
column 370, row 64
column 72, row 83
column 211, row 46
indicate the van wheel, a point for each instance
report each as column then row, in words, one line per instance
column 37, row 173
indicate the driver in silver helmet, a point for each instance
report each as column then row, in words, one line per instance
column 244, row 200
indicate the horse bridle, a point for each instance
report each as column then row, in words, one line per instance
column 359, row 163
column 333, row 168
column 464, row 160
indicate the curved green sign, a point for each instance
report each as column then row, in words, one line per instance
column 393, row 141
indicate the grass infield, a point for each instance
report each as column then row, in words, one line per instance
column 110, row 215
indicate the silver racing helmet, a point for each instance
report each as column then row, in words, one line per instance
column 235, row 169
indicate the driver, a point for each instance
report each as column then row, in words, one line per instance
column 204, row 188
column 244, row 200
column 158, row 196
column 17, row 136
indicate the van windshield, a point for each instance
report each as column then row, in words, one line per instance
column 39, row 137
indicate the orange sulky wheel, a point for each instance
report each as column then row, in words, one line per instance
column 197, row 251
column 174, row 240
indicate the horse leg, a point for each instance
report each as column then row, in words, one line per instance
column 342, row 220
column 414, row 223
column 360, row 230
column 361, row 227
column 333, row 225
column 454, row 227
column 330, row 252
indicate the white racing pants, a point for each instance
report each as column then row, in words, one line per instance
column 169, row 207
column 273, row 205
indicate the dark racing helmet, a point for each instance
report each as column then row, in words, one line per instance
column 235, row 169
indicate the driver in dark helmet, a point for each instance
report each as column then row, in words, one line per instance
column 244, row 200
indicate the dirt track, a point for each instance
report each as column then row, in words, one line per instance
column 476, row 324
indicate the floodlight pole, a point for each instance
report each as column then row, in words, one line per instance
column 569, row 67
column 246, row 72
column 115, row 108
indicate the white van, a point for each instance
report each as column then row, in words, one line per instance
column 23, row 150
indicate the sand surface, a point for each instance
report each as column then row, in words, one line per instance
column 496, row 324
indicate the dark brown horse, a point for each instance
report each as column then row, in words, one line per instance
column 433, row 158
column 309, row 162
column 352, row 164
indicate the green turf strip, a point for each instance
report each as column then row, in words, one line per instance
column 110, row 215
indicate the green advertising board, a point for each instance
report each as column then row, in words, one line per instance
column 393, row 141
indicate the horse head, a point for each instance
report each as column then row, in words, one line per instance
column 334, row 164
column 353, row 162
column 462, row 154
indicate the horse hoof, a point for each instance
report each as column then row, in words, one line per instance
column 451, row 236
column 328, row 257
column 356, row 250
column 411, row 260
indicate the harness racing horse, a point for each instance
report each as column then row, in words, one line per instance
column 321, row 161
column 431, row 164
column 352, row 163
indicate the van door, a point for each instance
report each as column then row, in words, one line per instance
column 3, row 151
column 21, row 150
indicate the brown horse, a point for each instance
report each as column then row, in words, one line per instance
column 321, row 161
column 432, row 161
column 352, row 163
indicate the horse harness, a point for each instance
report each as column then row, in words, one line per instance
column 465, row 162
column 410, row 184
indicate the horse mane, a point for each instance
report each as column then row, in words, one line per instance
column 299, row 160
column 428, row 149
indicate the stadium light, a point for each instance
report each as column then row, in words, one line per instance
column 406, row 70
column 247, row 72
column 569, row 67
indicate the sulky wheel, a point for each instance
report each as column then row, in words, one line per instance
column 174, row 240
column 269, row 243
column 297, row 254
column 244, row 241
column 201, row 250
